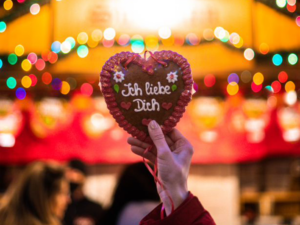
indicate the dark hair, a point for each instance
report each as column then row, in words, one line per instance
column 30, row 199
column 135, row 184
column 78, row 165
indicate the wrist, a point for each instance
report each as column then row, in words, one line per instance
column 178, row 195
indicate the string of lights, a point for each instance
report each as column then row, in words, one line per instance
column 83, row 43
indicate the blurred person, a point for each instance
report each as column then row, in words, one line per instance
column 173, row 153
column 82, row 211
column 135, row 195
column 5, row 179
column 39, row 196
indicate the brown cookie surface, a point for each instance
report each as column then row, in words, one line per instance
column 137, row 90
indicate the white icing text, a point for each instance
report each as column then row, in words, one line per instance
column 142, row 105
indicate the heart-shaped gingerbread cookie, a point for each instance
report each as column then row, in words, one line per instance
column 137, row 90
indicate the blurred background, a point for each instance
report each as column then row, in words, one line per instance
column 244, row 119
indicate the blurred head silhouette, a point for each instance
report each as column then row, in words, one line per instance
column 135, row 184
column 38, row 197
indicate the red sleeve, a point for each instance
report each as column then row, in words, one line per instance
column 190, row 212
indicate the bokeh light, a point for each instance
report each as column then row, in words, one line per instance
column 209, row 80
column 256, row 88
column 21, row 1
column 65, row 88
column 55, row 47
column 269, row 88
column 32, row 57
column 21, row 93
column 26, row 82
column 34, row 80
column 179, row 41
column 108, row 43
column 232, row 88
column 86, row 89
column 290, row 86
column 218, row 32
column 226, row 36
column 97, row 35
column 293, row 59
column 234, row 38
column 52, row 57
column 19, row 50
column 92, row 44
column 65, row 47
column 240, row 44
column 1, row 63
column 164, row 32
column 11, row 82
column 258, row 78
column 208, row 34
column 35, row 9
column 82, row 38
column 292, row 2
column 72, row 41
column 26, row 65
column 277, row 59
column 82, row 51
column 276, row 85
column 283, row 76
column 166, row 42
column 137, row 44
column 2, row 26
column 291, row 8
column 152, row 43
column 12, row 59
column 192, row 39
column 281, row 3
column 264, row 48
column 45, row 55
column 72, row 82
column 8, row 4
column 297, row 22
column 40, row 64
column 56, row 84
column 249, row 54
column 246, row 76
column 124, row 40
column 109, row 33
column 233, row 78
column 290, row 98
column 47, row 78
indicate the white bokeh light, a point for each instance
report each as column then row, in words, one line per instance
column 165, row 32
column 290, row 98
column 249, row 54
column 35, row 9
column 7, row 140
column 109, row 34
column 65, row 47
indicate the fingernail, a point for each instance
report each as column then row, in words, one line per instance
column 153, row 125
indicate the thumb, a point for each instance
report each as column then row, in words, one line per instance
column 158, row 138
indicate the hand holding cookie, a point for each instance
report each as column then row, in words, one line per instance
column 174, row 153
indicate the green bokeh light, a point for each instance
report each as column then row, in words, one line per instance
column 82, row 51
column 11, row 83
column 293, row 59
column 2, row 26
column 71, row 41
column 12, row 59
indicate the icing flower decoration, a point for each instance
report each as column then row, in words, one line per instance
column 172, row 77
column 119, row 76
